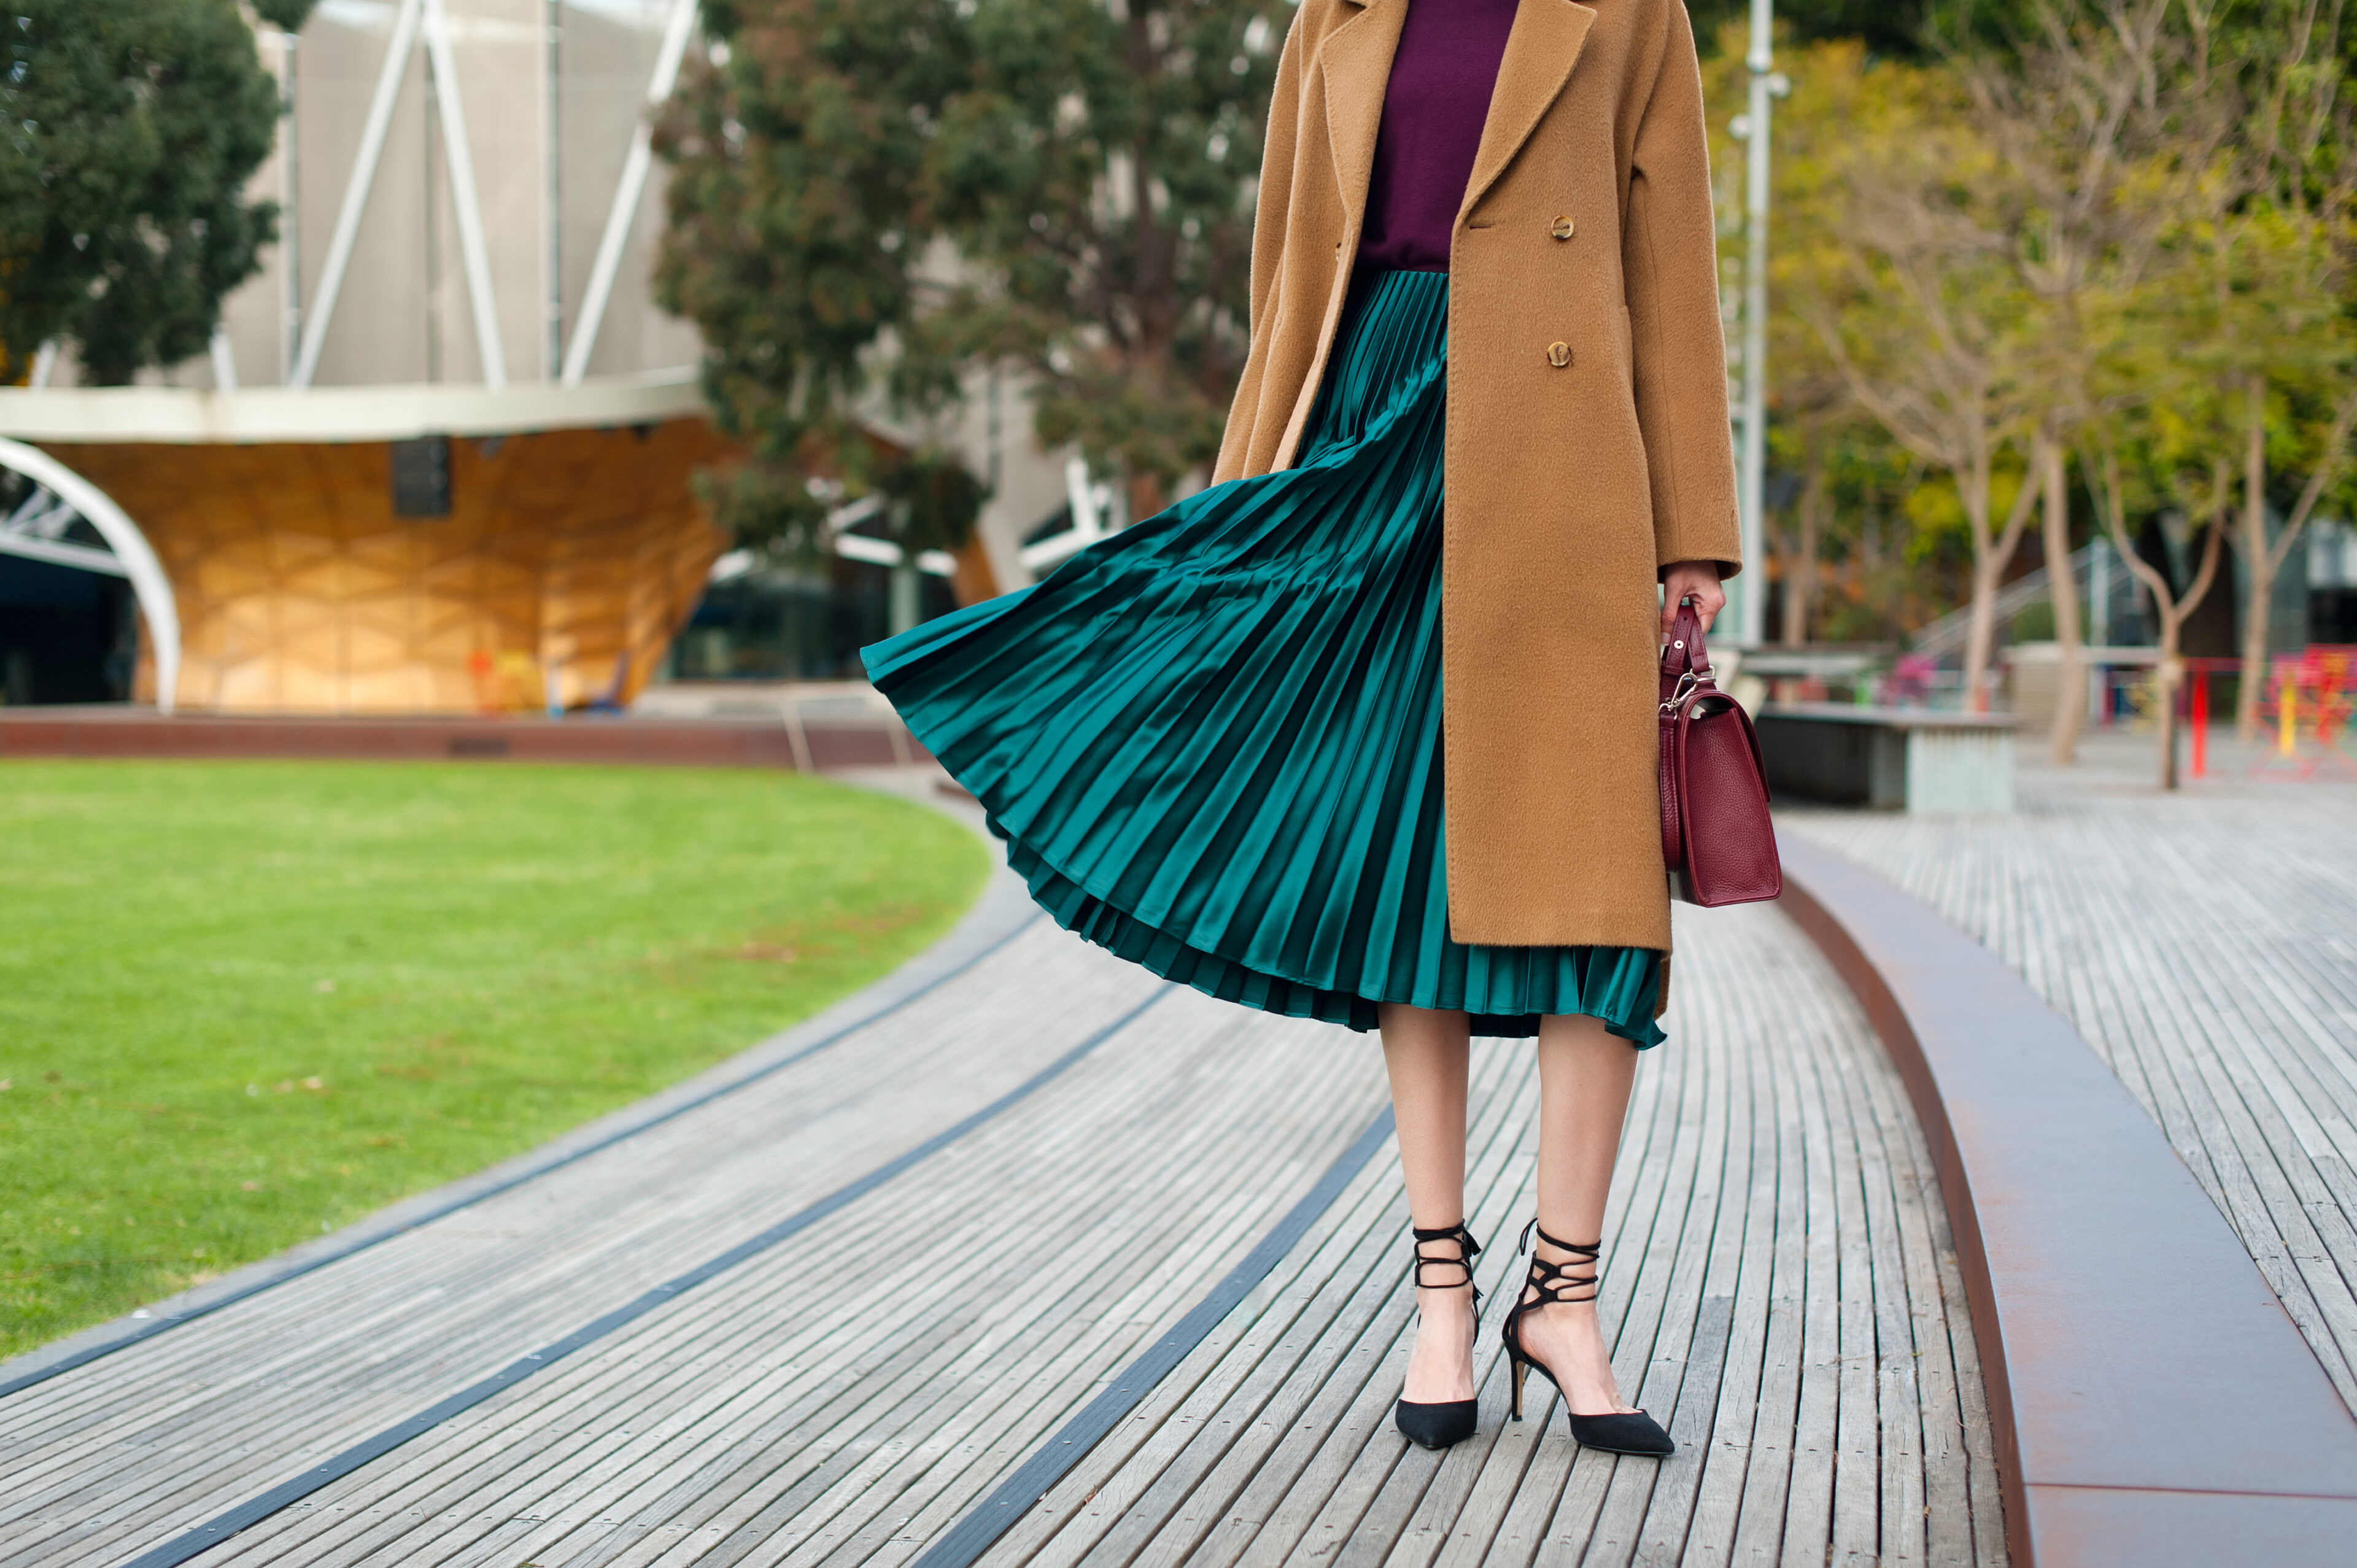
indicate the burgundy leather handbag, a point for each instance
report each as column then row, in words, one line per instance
column 1716, row 836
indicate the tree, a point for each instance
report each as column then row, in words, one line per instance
column 2168, row 411
column 1887, row 27
column 2170, row 606
column 876, row 202
column 286, row 16
column 133, row 127
column 2289, row 291
column 2291, row 343
column 1815, row 420
column 2108, row 126
column 1892, row 29
column 1909, row 288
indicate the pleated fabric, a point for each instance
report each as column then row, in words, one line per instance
column 1213, row 741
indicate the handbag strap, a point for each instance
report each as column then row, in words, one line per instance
column 1686, row 661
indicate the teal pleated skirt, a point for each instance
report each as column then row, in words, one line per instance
column 1211, row 742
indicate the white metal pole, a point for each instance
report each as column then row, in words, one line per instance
column 551, row 192
column 290, row 211
column 1752, row 605
column 624, row 210
column 472, row 250
column 355, row 191
column 224, row 360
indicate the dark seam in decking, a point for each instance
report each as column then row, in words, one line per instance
column 469, row 1199
column 995, row 1514
column 222, row 1526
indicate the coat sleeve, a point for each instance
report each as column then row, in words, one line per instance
column 1670, row 259
column 1267, row 248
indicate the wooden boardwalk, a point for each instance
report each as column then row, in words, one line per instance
column 2206, row 945
column 822, row 1319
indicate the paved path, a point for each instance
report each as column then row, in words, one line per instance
column 2206, row 944
column 824, row 1315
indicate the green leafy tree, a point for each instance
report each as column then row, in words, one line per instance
column 876, row 204
column 1818, row 434
column 2286, row 291
column 2185, row 217
column 133, row 127
column 286, row 16
column 1899, row 29
column 1886, row 26
column 1897, row 266
column 2111, row 128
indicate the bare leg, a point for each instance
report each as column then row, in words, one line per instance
column 1426, row 1053
column 1585, row 1076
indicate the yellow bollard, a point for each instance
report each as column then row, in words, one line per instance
column 2288, row 711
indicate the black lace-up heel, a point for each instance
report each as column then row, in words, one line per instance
column 1449, row 1421
column 1553, row 1285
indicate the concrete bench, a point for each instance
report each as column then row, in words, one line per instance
column 1912, row 759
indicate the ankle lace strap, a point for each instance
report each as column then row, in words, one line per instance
column 1467, row 1249
column 1555, row 1282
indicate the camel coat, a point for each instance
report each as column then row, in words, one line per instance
column 1589, row 443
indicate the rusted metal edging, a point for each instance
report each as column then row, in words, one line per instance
column 769, row 741
column 2154, row 1405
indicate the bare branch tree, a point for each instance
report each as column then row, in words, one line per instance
column 2106, row 124
column 2171, row 608
column 1923, row 322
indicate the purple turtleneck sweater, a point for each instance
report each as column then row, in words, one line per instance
column 1433, row 109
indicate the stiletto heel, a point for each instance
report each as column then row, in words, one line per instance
column 1447, row 1422
column 1551, row 1284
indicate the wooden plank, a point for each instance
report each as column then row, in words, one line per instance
column 2204, row 945
column 1773, row 1251
column 1718, row 1397
column 1763, row 1505
column 1717, row 1493
column 478, row 1461
column 210, row 1489
column 1127, row 1082
column 45, row 1408
column 1191, row 1494
column 406, row 1341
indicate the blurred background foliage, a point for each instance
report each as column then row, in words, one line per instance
column 2041, row 269
column 2011, row 238
column 2044, row 271
column 131, row 129
column 878, row 205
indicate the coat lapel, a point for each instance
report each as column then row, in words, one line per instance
column 1357, row 61
column 1540, row 52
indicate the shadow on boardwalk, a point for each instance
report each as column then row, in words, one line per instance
column 822, row 1316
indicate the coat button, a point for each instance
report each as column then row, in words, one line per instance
column 1563, row 229
column 1559, row 355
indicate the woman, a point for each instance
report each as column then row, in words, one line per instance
column 1214, row 742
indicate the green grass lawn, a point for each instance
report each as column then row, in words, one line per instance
column 241, row 1003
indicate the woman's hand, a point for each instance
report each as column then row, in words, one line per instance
column 1695, row 579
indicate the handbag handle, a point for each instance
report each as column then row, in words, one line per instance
column 1686, row 661
column 1685, row 653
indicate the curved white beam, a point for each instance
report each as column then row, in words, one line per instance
column 633, row 184
column 148, row 583
column 184, row 416
column 355, row 191
column 460, row 157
